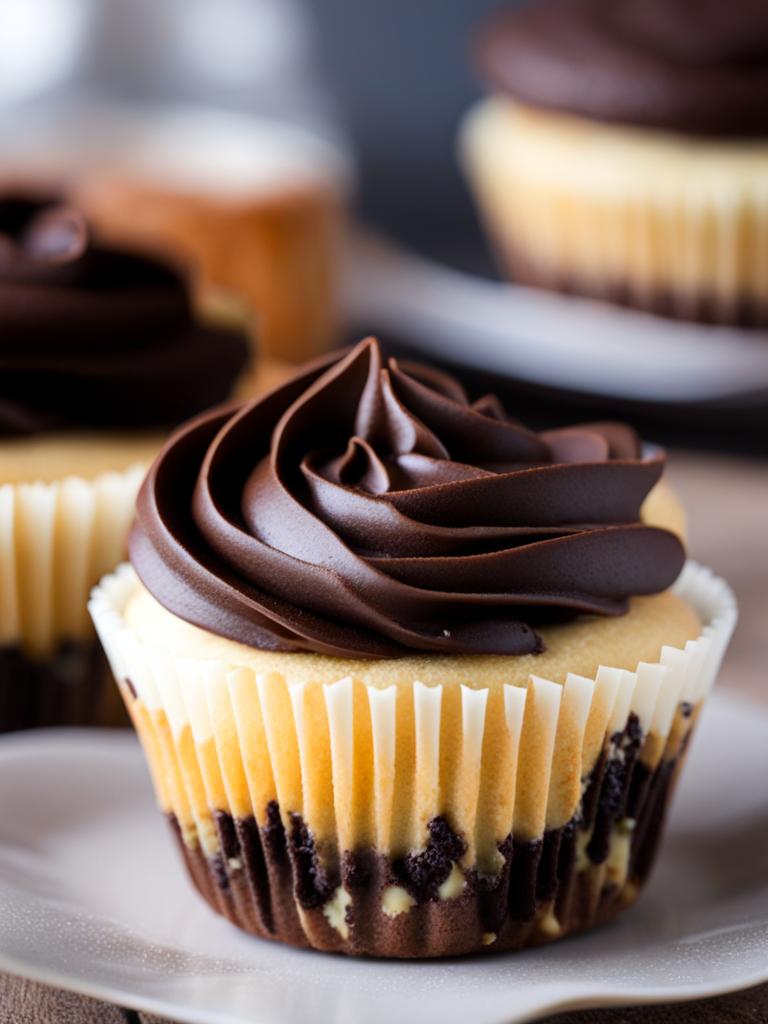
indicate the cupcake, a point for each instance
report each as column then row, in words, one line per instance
column 623, row 152
column 100, row 354
column 412, row 680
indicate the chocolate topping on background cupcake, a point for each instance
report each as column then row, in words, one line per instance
column 92, row 337
column 695, row 66
column 389, row 515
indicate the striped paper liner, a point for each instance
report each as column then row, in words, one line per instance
column 344, row 771
column 56, row 541
column 655, row 221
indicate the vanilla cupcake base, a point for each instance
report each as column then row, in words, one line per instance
column 672, row 225
column 401, row 815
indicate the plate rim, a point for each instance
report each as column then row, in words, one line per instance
column 185, row 1015
column 397, row 288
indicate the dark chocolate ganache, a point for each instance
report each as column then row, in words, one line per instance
column 368, row 509
column 92, row 337
column 695, row 66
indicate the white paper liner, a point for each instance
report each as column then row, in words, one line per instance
column 366, row 765
column 603, row 206
column 56, row 541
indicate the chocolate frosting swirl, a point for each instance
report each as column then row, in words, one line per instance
column 390, row 515
column 93, row 337
column 695, row 66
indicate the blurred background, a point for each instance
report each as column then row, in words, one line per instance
column 304, row 156
column 401, row 98
column 395, row 78
column 375, row 95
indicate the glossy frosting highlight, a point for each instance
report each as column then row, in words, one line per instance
column 693, row 66
column 92, row 337
column 389, row 515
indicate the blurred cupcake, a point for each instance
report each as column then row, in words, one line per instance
column 409, row 676
column 100, row 353
column 255, row 205
column 624, row 152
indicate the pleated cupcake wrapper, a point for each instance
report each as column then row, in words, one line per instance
column 669, row 240
column 56, row 542
column 374, row 768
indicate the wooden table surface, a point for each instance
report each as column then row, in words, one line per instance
column 727, row 502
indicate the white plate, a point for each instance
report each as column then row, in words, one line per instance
column 92, row 899
column 544, row 338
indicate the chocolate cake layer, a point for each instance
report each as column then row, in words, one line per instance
column 696, row 306
column 71, row 687
column 275, row 882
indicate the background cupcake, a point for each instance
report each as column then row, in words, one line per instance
column 624, row 151
column 100, row 353
column 410, row 679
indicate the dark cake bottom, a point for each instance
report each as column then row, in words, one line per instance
column 71, row 687
column 273, row 881
column 695, row 306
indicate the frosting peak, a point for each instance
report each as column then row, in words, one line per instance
column 695, row 66
column 92, row 336
column 389, row 514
